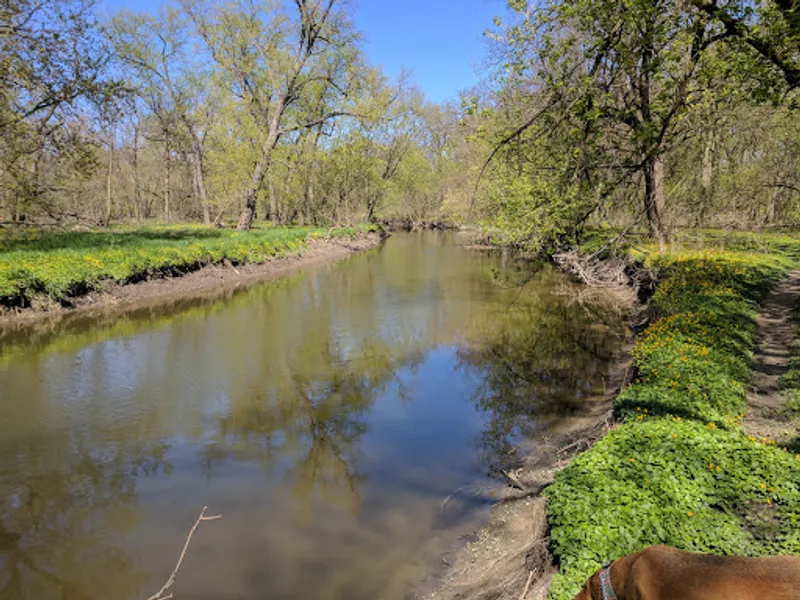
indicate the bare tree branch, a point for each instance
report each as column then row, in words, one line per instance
column 160, row 594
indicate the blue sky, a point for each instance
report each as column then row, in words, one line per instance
column 439, row 41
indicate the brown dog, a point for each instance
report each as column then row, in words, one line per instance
column 665, row 573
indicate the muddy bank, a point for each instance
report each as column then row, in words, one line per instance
column 207, row 279
column 509, row 554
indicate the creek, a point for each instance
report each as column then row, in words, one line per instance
column 327, row 415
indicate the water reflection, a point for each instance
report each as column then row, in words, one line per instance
column 56, row 517
column 326, row 415
column 540, row 359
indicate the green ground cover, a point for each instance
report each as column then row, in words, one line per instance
column 747, row 241
column 678, row 470
column 790, row 386
column 609, row 241
column 61, row 265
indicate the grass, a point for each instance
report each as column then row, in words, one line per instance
column 746, row 241
column 678, row 470
column 62, row 265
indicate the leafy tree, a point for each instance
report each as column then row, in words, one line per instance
column 275, row 60
column 611, row 83
column 176, row 87
column 770, row 28
column 52, row 62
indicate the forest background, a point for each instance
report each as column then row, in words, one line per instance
column 633, row 114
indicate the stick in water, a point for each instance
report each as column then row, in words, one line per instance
column 159, row 595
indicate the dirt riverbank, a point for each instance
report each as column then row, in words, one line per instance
column 202, row 281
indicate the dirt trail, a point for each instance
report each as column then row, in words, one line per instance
column 771, row 360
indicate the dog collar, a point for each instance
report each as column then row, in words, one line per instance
column 606, row 589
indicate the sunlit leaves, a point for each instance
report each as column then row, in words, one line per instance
column 69, row 264
column 679, row 471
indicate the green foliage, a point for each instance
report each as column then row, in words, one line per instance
column 750, row 274
column 538, row 211
column 606, row 242
column 693, row 360
column 678, row 471
column 666, row 480
column 62, row 265
column 52, row 61
column 790, row 381
column 745, row 241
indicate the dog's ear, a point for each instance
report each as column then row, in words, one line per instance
column 586, row 591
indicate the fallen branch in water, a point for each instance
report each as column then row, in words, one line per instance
column 160, row 594
column 530, row 492
column 513, row 479
column 588, row 438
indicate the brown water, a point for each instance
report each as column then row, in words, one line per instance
column 326, row 416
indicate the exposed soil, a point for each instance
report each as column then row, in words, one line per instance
column 202, row 281
column 508, row 557
column 764, row 417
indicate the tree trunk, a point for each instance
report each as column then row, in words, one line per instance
column 109, row 180
column 272, row 200
column 654, row 201
column 706, row 179
column 13, row 205
column 249, row 205
column 371, row 205
column 769, row 218
column 167, row 182
column 137, row 187
column 200, row 184
column 260, row 170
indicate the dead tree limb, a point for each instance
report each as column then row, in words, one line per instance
column 160, row 594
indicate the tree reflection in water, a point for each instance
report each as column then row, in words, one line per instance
column 56, row 519
column 542, row 357
column 316, row 412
